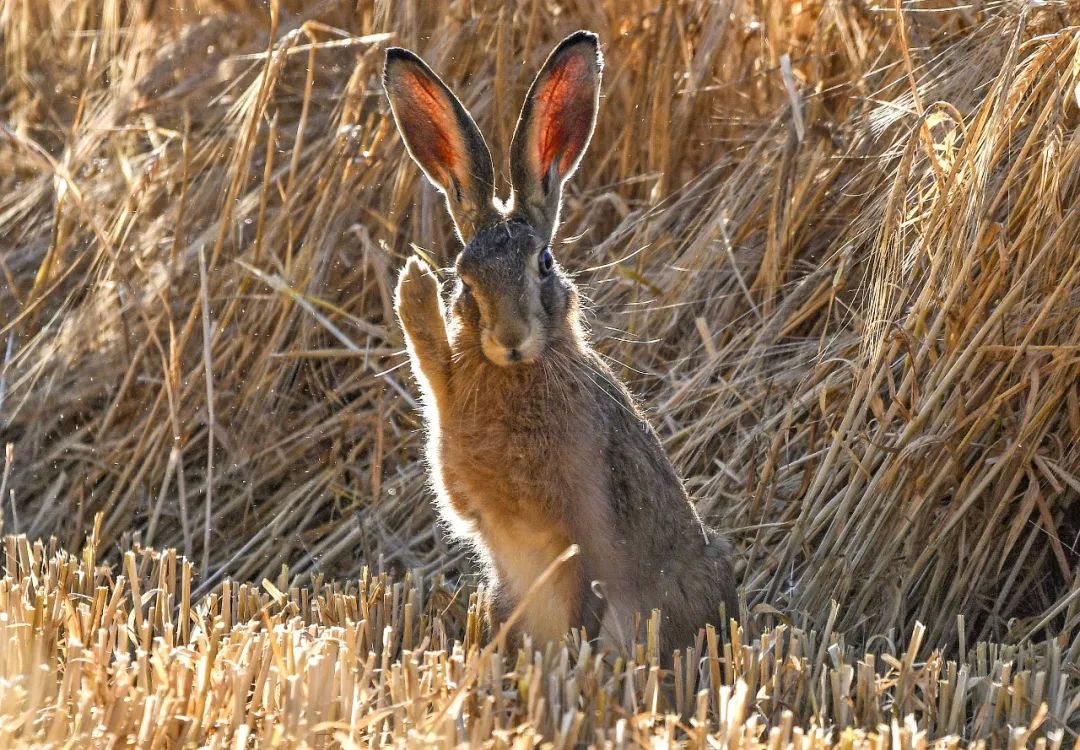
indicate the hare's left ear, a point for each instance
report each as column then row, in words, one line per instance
column 554, row 129
column 443, row 139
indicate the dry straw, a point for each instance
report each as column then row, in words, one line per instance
column 833, row 244
column 93, row 655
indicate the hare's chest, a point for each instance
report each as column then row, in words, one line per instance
column 518, row 462
column 503, row 456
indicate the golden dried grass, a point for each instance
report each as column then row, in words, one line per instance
column 94, row 656
column 832, row 245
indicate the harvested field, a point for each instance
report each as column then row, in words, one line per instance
column 382, row 661
column 832, row 245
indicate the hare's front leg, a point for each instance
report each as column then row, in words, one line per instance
column 419, row 308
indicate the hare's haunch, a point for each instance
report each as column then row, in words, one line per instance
column 534, row 444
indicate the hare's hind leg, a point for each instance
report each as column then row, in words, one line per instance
column 419, row 307
column 500, row 605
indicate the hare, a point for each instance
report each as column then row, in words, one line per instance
column 533, row 443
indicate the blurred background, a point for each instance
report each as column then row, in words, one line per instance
column 832, row 246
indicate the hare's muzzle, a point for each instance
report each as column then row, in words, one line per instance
column 516, row 346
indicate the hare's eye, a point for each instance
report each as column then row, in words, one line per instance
column 547, row 263
column 465, row 288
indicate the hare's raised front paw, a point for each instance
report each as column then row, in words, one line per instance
column 417, row 298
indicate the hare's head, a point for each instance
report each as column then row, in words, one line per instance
column 510, row 289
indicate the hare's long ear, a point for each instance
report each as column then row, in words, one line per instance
column 554, row 129
column 442, row 139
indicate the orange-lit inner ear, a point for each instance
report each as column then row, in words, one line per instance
column 564, row 105
column 430, row 127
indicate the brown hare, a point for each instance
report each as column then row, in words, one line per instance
column 534, row 444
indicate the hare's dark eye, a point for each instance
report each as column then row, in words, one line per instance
column 547, row 263
column 465, row 288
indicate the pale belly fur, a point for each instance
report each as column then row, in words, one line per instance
column 517, row 530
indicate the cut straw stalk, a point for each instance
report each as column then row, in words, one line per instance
column 302, row 665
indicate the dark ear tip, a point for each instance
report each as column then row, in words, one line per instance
column 395, row 57
column 580, row 36
column 584, row 38
column 588, row 38
column 400, row 54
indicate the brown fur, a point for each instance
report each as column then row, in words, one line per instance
column 534, row 445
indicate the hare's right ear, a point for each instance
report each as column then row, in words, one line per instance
column 442, row 139
column 554, row 129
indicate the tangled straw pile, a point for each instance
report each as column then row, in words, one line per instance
column 833, row 245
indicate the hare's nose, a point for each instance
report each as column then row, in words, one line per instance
column 510, row 340
column 511, row 347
